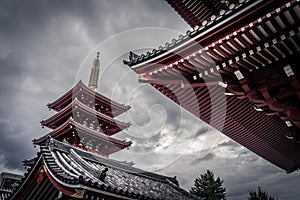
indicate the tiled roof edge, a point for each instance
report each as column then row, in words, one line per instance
column 112, row 163
column 190, row 34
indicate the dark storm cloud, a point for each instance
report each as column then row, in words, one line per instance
column 40, row 12
column 101, row 17
column 25, row 75
column 15, row 145
column 10, row 73
column 10, row 156
column 10, row 67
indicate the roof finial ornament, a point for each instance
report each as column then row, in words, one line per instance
column 94, row 76
column 103, row 174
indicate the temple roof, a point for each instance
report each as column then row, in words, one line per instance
column 110, row 107
column 56, row 120
column 72, row 170
column 250, row 51
column 214, row 30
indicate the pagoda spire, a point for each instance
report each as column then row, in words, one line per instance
column 93, row 82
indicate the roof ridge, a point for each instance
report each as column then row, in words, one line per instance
column 190, row 33
column 109, row 162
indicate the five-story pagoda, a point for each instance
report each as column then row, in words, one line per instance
column 85, row 118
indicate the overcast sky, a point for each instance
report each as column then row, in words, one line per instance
column 47, row 46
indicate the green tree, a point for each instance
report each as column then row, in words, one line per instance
column 209, row 188
column 259, row 194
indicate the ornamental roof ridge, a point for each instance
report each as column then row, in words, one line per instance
column 61, row 146
column 189, row 35
column 118, row 177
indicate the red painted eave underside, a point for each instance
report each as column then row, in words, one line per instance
column 65, row 190
column 262, row 134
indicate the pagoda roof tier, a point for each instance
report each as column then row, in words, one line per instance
column 94, row 99
column 76, row 174
column 203, row 9
column 77, row 111
column 90, row 139
column 250, row 51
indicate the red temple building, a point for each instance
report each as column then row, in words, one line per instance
column 236, row 69
column 73, row 159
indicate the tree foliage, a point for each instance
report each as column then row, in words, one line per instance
column 259, row 194
column 209, row 188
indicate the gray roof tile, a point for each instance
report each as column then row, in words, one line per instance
column 120, row 179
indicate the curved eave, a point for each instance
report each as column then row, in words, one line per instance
column 117, row 108
column 214, row 61
column 67, row 111
column 78, row 187
column 61, row 146
column 59, row 185
column 200, row 37
column 80, row 170
column 66, row 127
column 237, row 48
